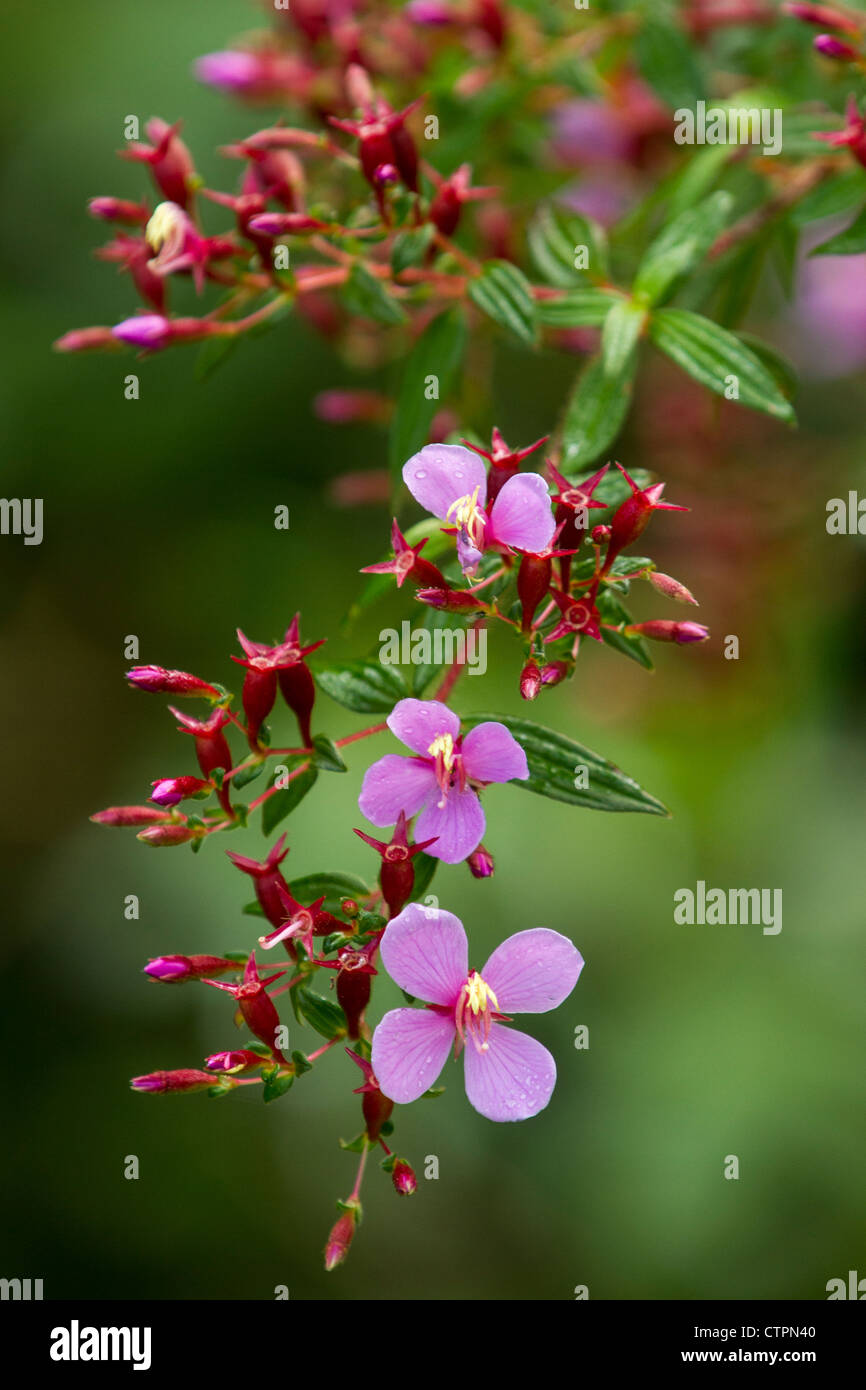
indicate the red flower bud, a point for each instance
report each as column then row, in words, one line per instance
column 131, row 815
column 164, row 836
column 671, row 588
column 163, row 682
column 533, row 582
column 450, row 600
column 231, row 1062
column 162, row 1082
column 267, row 880
column 554, row 672
column 168, row 791
column 340, row 1238
column 256, row 1006
column 822, row 15
column 173, row 970
column 403, row 1178
column 88, row 340
column 830, row 47
column 119, row 210
column 397, row 874
column 662, row 630
column 530, row 681
column 170, row 161
column 481, row 863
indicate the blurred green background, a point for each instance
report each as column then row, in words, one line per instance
column 704, row 1041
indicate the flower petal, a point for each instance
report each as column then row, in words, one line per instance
column 491, row 753
column 410, row 1048
column 425, row 951
column 533, row 971
column 441, row 473
column 394, row 784
column 418, row 722
column 458, row 825
column 513, row 1079
column 522, row 516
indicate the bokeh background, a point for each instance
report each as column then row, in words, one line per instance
column 704, row 1041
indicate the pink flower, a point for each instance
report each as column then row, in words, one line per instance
column 451, row 482
column 509, row 1076
column 437, row 780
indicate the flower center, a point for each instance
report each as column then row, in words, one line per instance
column 473, row 1015
column 165, row 224
column 470, row 517
column 448, row 763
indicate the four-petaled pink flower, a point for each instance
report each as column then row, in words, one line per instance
column 509, row 1075
column 451, row 482
column 439, row 777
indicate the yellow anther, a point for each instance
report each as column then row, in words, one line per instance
column 479, row 996
column 443, row 747
column 467, row 514
column 166, row 222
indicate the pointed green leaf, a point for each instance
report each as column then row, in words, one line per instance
column 713, row 355
column 278, row 806
column 503, row 293
column 681, row 246
column 595, row 412
column 367, row 687
column 437, row 353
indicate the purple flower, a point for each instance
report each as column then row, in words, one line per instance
column 509, row 1076
column 438, row 780
column 231, row 71
column 451, row 482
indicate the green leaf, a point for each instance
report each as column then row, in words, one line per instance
column 554, row 764
column 503, row 293
column 300, row 1063
column 851, row 242
column 595, row 412
column 213, row 353
column 681, row 245
column 253, row 909
column 411, row 247
column 437, row 353
column 363, row 294
column 248, row 774
column 425, row 867
column 367, row 687
column 711, row 354
column 329, row 885
column 587, row 308
column 842, row 193
column 630, row 645
column 435, row 620
column 322, row 1014
column 619, row 337
column 667, row 62
column 325, row 755
column 555, row 238
column 278, row 806
column 356, row 1145
column 276, row 1084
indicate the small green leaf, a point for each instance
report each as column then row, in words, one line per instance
column 300, row 1063
column 329, row 885
column 681, row 245
column 633, row 646
column 322, row 1014
column 411, row 247
column 278, row 806
column 325, row 755
column 586, row 308
column 619, row 337
column 503, row 293
column 363, row 294
column 213, row 353
column 595, row 412
column 713, row 355
column 367, row 687
column 253, row 909
column 555, row 763
column 437, row 353
column 245, row 775
column 668, row 62
column 356, row 1145
column 557, row 239
column 425, row 867
column 276, row 1084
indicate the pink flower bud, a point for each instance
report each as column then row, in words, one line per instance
column 239, row 1060
column 161, row 681
column 554, row 672
column 830, row 47
column 403, row 1178
column 131, row 815
column 88, row 340
column 822, row 15
column 170, row 790
column 450, row 600
column 118, row 210
column 530, row 681
column 164, row 836
column 671, row 588
column 481, row 863
column 172, row 970
column 340, row 1237
column 662, row 630
column 600, row 534
column 163, row 1082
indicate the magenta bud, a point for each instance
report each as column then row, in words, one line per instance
column 87, row 340
column 829, row 47
column 162, row 836
column 231, row 71
column 118, row 210
column 600, row 534
column 170, row 790
column 163, row 1082
column 554, row 672
column 160, row 681
column 150, row 331
column 341, row 1234
column 671, row 588
column 662, row 630
column 239, row 1060
column 481, row 863
column 822, row 15
column 131, row 815
column 530, row 681
column 450, row 600
column 403, row 1178
column 175, row 969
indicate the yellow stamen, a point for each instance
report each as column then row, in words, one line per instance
column 467, row 514
column 165, row 222
column 443, row 747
